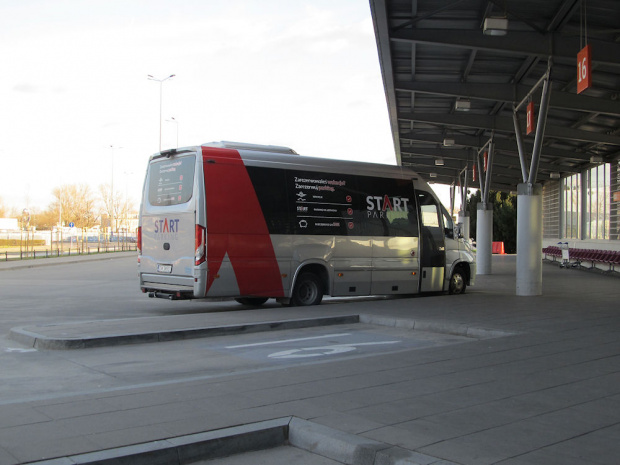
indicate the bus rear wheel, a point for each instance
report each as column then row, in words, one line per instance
column 252, row 301
column 308, row 290
column 458, row 284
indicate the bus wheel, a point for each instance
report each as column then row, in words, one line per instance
column 252, row 301
column 457, row 282
column 308, row 290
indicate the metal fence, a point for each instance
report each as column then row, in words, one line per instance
column 63, row 249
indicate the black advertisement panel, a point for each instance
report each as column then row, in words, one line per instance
column 313, row 203
column 323, row 203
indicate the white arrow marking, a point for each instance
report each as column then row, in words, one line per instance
column 286, row 340
column 325, row 350
column 18, row 351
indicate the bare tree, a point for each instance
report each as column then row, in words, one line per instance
column 115, row 205
column 75, row 203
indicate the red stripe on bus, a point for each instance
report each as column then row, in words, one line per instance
column 236, row 226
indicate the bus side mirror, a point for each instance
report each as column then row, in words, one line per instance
column 458, row 231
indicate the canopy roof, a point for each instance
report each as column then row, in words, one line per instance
column 446, row 80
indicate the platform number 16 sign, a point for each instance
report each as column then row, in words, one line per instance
column 584, row 72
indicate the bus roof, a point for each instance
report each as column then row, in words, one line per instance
column 255, row 147
column 281, row 157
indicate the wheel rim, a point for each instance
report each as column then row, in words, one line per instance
column 308, row 292
column 457, row 283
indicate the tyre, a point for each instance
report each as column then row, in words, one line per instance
column 308, row 290
column 252, row 301
column 458, row 282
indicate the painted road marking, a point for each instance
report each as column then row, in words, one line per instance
column 12, row 350
column 256, row 344
column 325, row 350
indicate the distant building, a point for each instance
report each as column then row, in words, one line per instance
column 9, row 224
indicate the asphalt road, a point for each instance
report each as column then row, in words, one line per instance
column 107, row 289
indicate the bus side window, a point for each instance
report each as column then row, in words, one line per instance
column 389, row 207
column 448, row 224
column 268, row 184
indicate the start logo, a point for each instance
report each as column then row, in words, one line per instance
column 377, row 205
column 166, row 225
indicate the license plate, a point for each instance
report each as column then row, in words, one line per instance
column 164, row 268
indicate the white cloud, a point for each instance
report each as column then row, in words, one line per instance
column 273, row 72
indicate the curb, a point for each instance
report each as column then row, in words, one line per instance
column 321, row 440
column 435, row 327
column 28, row 336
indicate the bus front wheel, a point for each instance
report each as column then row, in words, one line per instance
column 458, row 284
column 308, row 290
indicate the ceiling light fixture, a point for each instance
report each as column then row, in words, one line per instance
column 462, row 105
column 495, row 26
column 438, row 161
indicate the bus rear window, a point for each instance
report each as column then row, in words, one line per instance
column 171, row 181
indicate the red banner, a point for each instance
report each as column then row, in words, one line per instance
column 584, row 70
column 530, row 118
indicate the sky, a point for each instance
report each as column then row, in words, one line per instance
column 78, row 107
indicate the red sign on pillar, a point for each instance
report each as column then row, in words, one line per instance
column 584, row 70
column 530, row 118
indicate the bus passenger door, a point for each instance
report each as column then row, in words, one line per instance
column 395, row 265
column 432, row 245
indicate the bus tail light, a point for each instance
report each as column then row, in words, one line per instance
column 201, row 246
column 139, row 240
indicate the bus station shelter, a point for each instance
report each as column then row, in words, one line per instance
column 518, row 96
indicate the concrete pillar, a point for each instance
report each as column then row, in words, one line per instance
column 463, row 220
column 529, row 239
column 484, row 238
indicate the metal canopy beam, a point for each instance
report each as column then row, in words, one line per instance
column 453, row 156
column 540, row 127
column 454, row 167
column 561, row 48
column 504, row 124
column 509, row 93
column 504, row 145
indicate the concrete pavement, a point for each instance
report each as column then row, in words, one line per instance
column 544, row 388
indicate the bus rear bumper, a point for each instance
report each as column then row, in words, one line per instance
column 168, row 286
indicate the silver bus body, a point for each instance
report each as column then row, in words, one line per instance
column 256, row 222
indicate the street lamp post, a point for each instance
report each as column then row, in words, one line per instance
column 161, row 82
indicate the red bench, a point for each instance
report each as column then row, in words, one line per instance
column 592, row 256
